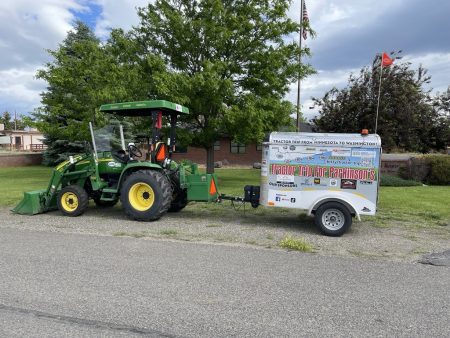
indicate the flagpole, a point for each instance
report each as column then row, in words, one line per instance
column 299, row 63
column 379, row 94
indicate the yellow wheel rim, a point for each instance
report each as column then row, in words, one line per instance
column 69, row 201
column 141, row 196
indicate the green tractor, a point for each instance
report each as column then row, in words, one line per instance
column 112, row 170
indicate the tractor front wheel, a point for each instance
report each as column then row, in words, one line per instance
column 73, row 200
column 146, row 195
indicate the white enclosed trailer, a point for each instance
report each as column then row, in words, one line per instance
column 332, row 176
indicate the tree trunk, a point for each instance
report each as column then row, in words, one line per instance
column 210, row 160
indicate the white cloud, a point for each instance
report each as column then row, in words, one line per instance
column 20, row 90
column 438, row 66
column 27, row 29
column 315, row 86
column 118, row 14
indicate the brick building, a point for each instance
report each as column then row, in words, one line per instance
column 229, row 152
column 225, row 150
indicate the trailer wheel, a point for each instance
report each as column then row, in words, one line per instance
column 333, row 219
column 146, row 195
column 73, row 200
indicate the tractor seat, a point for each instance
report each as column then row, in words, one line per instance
column 120, row 156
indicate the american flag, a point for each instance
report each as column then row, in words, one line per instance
column 305, row 20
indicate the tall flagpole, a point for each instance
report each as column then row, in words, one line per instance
column 379, row 94
column 299, row 62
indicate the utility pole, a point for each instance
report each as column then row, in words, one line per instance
column 379, row 94
column 302, row 4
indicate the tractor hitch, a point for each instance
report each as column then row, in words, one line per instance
column 251, row 195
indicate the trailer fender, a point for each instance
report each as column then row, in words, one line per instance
column 344, row 201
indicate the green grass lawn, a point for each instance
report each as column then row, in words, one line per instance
column 14, row 181
column 415, row 206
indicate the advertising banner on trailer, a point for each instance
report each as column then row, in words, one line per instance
column 301, row 169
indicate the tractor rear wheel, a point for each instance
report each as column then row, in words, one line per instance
column 73, row 200
column 179, row 196
column 146, row 195
column 179, row 200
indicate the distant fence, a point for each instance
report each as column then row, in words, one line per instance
column 20, row 147
column 38, row 147
column 20, row 160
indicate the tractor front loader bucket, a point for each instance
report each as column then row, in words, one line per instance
column 33, row 203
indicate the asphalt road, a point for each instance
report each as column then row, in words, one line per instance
column 62, row 284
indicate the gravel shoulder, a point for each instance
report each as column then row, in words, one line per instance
column 255, row 227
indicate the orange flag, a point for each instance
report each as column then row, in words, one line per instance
column 386, row 61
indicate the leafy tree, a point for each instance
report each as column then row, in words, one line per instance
column 83, row 75
column 441, row 106
column 5, row 119
column 19, row 122
column 406, row 119
column 72, row 94
column 227, row 60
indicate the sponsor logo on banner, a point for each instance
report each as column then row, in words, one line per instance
column 306, row 182
column 285, row 178
column 364, row 153
column 333, row 183
column 366, row 182
column 316, row 180
column 348, row 184
column 283, row 185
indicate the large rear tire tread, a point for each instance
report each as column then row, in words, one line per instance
column 82, row 200
column 179, row 196
column 179, row 201
column 162, row 191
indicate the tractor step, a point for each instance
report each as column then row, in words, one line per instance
column 109, row 191
column 109, row 194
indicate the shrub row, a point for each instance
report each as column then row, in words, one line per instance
column 394, row 181
column 429, row 169
column 439, row 173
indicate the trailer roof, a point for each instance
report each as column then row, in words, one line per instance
column 144, row 108
column 326, row 139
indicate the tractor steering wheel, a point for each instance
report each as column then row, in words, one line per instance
column 134, row 151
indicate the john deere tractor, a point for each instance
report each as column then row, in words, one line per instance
column 147, row 185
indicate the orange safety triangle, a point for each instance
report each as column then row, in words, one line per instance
column 212, row 187
column 161, row 153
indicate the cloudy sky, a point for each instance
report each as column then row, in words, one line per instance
column 349, row 34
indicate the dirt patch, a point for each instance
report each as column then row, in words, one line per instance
column 258, row 227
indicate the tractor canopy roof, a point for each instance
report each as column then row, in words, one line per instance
column 144, row 108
